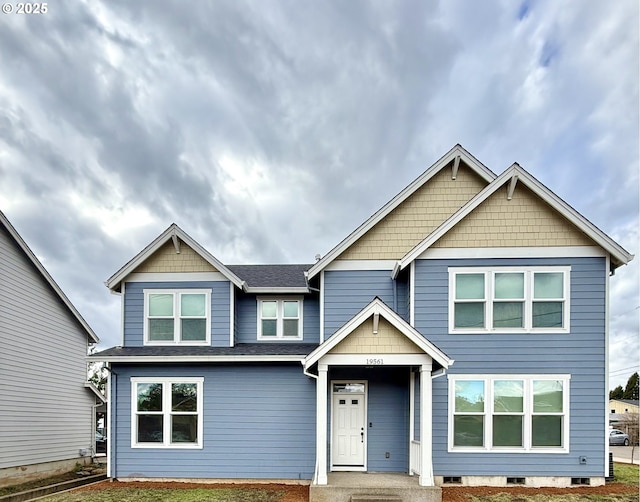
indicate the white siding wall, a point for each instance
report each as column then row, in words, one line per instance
column 45, row 410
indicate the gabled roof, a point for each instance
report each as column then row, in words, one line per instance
column 45, row 275
column 456, row 154
column 173, row 233
column 273, row 278
column 378, row 307
column 513, row 175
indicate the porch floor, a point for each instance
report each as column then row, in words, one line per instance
column 341, row 486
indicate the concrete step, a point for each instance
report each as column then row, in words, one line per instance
column 375, row 498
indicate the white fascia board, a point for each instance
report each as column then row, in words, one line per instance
column 36, row 263
column 277, row 290
column 457, row 150
column 541, row 191
column 94, row 389
column 514, row 252
column 173, row 231
column 201, row 359
column 377, row 306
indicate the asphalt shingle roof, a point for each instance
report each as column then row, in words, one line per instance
column 241, row 349
column 265, row 276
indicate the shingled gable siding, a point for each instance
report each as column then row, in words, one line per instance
column 346, row 292
column 134, row 309
column 259, row 422
column 247, row 319
column 580, row 353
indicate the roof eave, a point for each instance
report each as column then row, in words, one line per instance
column 296, row 358
column 92, row 337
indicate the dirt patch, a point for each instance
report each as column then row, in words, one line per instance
column 464, row 493
column 293, row 493
column 300, row 493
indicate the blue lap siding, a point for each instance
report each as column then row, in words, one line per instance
column 134, row 309
column 348, row 292
column 259, row 422
column 580, row 354
column 247, row 318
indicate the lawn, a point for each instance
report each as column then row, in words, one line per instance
column 623, row 489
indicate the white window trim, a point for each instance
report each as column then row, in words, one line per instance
column 489, row 273
column 176, row 325
column 166, row 412
column 280, row 309
column 527, row 413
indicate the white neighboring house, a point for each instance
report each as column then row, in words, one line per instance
column 47, row 407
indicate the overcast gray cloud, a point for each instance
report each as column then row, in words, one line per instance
column 269, row 130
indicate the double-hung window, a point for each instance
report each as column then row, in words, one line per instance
column 166, row 413
column 509, row 299
column 280, row 319
column 177, row 316
column 509, row 413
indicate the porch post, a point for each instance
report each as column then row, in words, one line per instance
column 321, row 425
column 412, row 426
column 426, row 429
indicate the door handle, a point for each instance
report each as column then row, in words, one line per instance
column 362, row 435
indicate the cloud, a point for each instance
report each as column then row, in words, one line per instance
column 269, row 131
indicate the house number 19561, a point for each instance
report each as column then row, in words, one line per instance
column 375, row 361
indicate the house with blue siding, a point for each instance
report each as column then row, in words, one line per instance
column 459, row 335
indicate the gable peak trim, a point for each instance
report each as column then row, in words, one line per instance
column 174, row 234
column 455, row 155
column 515, row 173
column 377, row 308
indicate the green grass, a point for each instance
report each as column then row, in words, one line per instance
column 169, row 495
column 626, row 473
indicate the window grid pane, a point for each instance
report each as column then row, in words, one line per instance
column 469, row 315
column 468, row 430
column 470, row 286
column 469, row 396
column 509, row 286
column 291, row 309
column 548, row 285
column 193, row 330
column 161, row 305
column 508, row 315
column 508, row 396
column 192, row 305
column 160, row 330
column 507, row 430
column 548, row 314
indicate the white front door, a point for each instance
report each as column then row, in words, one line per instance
column 348, row 441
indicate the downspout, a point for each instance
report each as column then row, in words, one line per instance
column 315, row 377
column 112, row 384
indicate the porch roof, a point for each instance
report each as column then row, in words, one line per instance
column 374, row 309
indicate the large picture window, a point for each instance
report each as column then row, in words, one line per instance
column 166, row 413
column 509, row 413
column 280, row 319
column 177, row 317
column 509, row 299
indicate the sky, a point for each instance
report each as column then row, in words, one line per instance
column 269, row 130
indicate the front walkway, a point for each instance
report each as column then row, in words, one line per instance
column 341, row 486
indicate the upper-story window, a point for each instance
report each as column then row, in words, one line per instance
column 509, row 299
column 177, row 316
column 280, row 319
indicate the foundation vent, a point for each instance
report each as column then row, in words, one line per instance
column 516, row 481
column 580, row 481
column 452, row 480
